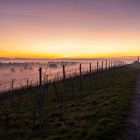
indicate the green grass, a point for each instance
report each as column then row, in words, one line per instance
column 100, row 114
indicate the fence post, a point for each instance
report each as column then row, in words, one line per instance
column 12, row 84
column 40, row 76
column 97, row 66
column 102, row 65
column 80, row 74
column 90, row 78
column 38, row 123
column 90, row 68
column 97, row 75
column 64, row 90
column 106, row 65
column 41, row 102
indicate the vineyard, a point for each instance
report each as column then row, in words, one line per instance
column 79, row 104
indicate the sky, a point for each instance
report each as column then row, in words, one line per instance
column 69, row 28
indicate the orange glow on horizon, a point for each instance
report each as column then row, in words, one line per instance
column 68, row 31
column 89, row 45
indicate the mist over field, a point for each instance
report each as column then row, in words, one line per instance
column 21, row 70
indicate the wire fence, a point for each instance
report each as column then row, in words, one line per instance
column 31, row 78
column 29, row 108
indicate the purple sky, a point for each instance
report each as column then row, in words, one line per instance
column 60, row 17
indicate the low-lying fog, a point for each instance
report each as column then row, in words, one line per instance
column 23, row 72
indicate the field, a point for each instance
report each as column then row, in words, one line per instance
column 91, row 106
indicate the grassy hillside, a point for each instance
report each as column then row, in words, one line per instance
column 96, row 107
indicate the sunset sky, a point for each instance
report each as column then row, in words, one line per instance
column 69, row 28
